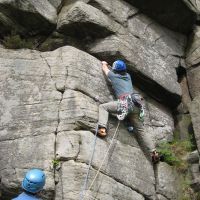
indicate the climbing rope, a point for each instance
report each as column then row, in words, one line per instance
column 83, row 197
column 89, row 166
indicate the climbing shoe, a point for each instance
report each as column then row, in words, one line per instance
column 102, row 132
column 155, row 157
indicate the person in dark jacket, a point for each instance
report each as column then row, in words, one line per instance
column 128, row 103
column 32, row 184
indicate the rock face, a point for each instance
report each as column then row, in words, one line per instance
column 171, row 13
column 167, row 178
column 29, row 110
column 194, row 110
column 27, row 16
column 56, row 101
column 49, row 100
column 192, row 62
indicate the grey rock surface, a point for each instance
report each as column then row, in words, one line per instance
column 193, row 75
column 194, row 111
column 29, row 101
column 160, row 197
column 192, row 56
column 79, row 71
column 195, row 173
column 158, row 122
column 171, row 14
column 55, row 3
column 193, row 5
column 104, row 188
column 184, row 126
column 162, row 40
column 26, row 153
column 81, row 20
column 29, row 107
column 118, row 10
column 125, row 172
column 183, row 108
column 27, row 16
column 49, row 100
column 65, row 97
column 168, row 182
column 193, row 157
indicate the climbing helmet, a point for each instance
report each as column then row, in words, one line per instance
column 34, row 181
column 119, row 65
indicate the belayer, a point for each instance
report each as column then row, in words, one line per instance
column 128, row 104
column 32, row 184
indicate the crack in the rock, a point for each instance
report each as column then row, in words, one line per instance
column 58, row 112
column 79, row 148
column 192, row 51
column 165, row 196
column 130, row 16
column 193, row 66
column 87, row 94
column 22, row 137
column 45, row 60
column 155, row 169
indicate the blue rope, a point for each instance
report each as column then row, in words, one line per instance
column 89, row 166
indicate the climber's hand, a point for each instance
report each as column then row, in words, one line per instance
column 105, row 67
column 104, row 63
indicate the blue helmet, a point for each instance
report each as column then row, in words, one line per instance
column 34, row 181
column 119, row 65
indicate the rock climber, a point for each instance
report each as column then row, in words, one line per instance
column 128, row 103
column 32, row 184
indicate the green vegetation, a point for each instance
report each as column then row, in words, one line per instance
column 174, row 153
column 55, row 163
column 14, row 41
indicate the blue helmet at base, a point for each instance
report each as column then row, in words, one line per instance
column 119, row 65
column 34, row 181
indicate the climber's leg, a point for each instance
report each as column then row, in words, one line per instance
column 104, row 110
column 144, row 138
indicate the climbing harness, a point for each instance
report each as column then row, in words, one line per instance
column 83, row 193
column 127, row 103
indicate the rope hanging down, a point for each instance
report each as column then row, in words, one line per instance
column 90, row 163
column 83, row 196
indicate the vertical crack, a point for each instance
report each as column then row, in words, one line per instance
column 155, row 168
column 55, row 168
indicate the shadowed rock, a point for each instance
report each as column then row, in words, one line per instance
column 194, row 111
column 151, row 72
column 28, row 16
column 171, row 13
column 193, row 49
column 193, row 76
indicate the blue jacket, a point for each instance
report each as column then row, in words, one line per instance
column 26, row 196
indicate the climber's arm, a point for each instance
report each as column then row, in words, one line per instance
column 105, row 67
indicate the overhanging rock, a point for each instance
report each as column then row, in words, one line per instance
column 28, row 16
column 82, row 20
column 153, row 73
